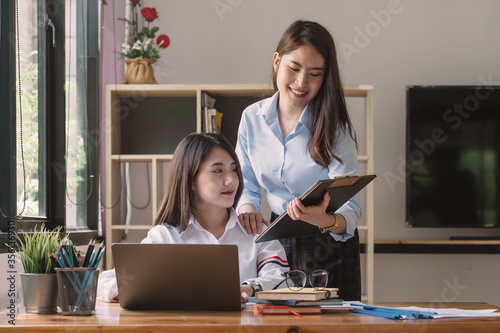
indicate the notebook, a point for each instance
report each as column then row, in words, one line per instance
column 340, row 189
column 177, row 276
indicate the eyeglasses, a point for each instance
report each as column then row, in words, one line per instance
column 296, row 280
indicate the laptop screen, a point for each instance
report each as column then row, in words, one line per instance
column 177, row 276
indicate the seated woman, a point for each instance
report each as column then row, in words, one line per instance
column 203, row 186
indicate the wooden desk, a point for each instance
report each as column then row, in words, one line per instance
column 111, row 318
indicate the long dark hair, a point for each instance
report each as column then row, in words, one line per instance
column 178, row 202
column 330, row 108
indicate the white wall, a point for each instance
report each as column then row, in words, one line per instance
column 437, row 278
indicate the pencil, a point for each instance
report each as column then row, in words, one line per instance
column 75, row 258
column 88, row 278
column 53, row 258
column 59, row 260
column 98, row 253
column 69, row 248
column 99, row 258
column 92, row 257
column 90, row 248
column 61, row 257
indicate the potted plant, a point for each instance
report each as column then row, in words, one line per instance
column 39, row 283
column 140, row 49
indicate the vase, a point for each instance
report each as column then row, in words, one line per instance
column 139, row 71
column 40, row 293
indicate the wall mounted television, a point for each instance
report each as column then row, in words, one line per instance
column 453, row 156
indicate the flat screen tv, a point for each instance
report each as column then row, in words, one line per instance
column 453, row 156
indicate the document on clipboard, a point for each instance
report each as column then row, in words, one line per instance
column 341, row 189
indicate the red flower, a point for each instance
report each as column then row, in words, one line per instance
column 140, row 42
column 163, row 41
column 149, row 14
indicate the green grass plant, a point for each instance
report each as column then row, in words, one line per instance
column 34, row 249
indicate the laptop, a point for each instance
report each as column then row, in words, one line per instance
column 177, row 276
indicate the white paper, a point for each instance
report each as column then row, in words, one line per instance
column 442, row 312
column 454, row 312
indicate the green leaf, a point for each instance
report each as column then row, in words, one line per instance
column 34, row 248
column 124, row 20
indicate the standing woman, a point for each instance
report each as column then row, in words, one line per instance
column 289, row 141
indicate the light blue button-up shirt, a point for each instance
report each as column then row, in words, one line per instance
column 285, row 169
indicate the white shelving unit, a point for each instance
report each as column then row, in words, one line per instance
column 136, row 115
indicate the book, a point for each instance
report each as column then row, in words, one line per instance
column 252, row 299
column 207, row 103
column 323, row 302
column 329, row 305
column 215, row 120
column 285, row 309
column 345, row 306
column 218, row 120
column 212, row 126
column 306, row 294
column 341, row 189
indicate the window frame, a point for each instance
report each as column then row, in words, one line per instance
column 51, row 118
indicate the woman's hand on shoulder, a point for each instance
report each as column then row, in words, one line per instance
column 252, row 220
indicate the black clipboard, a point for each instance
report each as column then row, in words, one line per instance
column 341, row 189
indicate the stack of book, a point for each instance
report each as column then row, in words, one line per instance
column 305, row 301
column 212, row 119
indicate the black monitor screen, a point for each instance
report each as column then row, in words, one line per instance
column 453, row 156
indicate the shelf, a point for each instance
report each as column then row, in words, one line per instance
column 189, row 90
column 142, row 158
column 144, row 123
column 363, row 158
column 131, row 227
column 436, row 246
column 245, row 90
column 355, row 90
column 151, row 90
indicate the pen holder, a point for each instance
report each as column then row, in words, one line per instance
column 77, row 290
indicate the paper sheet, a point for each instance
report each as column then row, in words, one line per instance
column 454, row 312
column 434, row 312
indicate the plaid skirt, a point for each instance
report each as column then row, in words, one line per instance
column 320, row 251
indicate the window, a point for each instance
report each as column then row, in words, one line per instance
column 51, row 125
